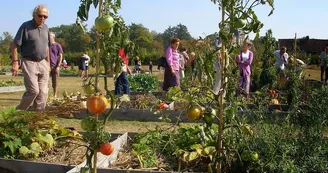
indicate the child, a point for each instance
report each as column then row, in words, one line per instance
column 64, row 64
column 122, row 82
column 150, row 67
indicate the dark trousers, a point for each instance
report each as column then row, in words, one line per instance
column 324, row 70
column 122, row 84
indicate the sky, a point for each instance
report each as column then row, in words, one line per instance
column 200, row 16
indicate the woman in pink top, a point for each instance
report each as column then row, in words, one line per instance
column 171, row 74
column 244, row 61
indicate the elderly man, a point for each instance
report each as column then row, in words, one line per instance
column 56, row 57
column 33, row 40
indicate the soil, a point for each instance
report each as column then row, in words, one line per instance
column 66, row 151
column 4, row 170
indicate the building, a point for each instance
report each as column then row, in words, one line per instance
column 305, row 45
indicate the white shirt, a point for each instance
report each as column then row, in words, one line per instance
column 282, row 60
column 245, row 56
column 87, row 59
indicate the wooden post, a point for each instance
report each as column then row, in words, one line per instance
column 220, row 122
column 98, row 47
column 295, row 49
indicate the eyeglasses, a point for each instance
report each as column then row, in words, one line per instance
column 44, row 16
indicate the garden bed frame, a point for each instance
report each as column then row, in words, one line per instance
column 12, row 89
column 24, row 166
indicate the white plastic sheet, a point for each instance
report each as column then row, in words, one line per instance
column 104, row 161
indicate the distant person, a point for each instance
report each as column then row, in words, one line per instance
column 193, row 64
column 281, row 62
column 324, row 64
column 184, row 53
column 82, row 64
column 244, row 61
column 64, row 64
column 150, row 67
column 171, row 73
column 33, row 40
column 181, row 66
column 86, row 74
column 137, row 65
column 56, row 57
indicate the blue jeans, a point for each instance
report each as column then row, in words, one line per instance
column 122, row 84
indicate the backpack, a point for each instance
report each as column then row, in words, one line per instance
column 162, row 62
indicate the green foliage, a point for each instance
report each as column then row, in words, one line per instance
column 27, row 134
column 172, row 143
column 268, row 71
column 143, row 83
column 69, row 71
column 10, row 83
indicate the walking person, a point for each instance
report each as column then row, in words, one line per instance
column 324, row 64
column 33, row 40
column 86, row 74
column 82, row 64
column 171, row 73
column 137, row 65
column 244, row 61
column 56, row 57
column 150, row 67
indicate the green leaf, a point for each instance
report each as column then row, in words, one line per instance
column 195, row 146
column 12, row 145
column 35, row 148
column 257, row 35
column 24, row 150
column 193, row 155
column 125, row 98
column 209, row 150
column 48, row 139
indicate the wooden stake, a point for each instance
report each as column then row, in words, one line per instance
column 98, row 47
column 220, row 122
column 295, row 47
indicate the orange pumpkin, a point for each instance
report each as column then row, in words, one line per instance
column 97, row 104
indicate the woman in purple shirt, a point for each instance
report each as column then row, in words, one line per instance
column 171, row 74
column 244, row 61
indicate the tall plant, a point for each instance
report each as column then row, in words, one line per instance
column 268, row 74
column 237, row 15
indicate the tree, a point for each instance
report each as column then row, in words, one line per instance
column 180, row 31
column 5, row 43
column 73, row 37
column 142, row 38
